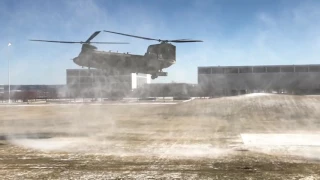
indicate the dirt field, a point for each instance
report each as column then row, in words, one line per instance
column 200, row 139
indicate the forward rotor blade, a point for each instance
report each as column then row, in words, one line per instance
column 92, row 36
column 184, row 41
column 78, row 42
column 55, row 41
column 133, row 36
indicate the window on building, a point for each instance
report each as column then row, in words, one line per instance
column 245, row 70
column 230, row 70
column 287, row 69
column 72, row 80
column 273, row 69
column 204, row 71
column 86, row 80
column 301, row 68
column 72, row 73
column 217, row 70
column 314, row 68
column 259, row 69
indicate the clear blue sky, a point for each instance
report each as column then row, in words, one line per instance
column 246, row 32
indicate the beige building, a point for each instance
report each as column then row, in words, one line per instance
column 94, row 83
column 232, row 80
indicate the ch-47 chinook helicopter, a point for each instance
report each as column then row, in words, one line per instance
column 157, row 57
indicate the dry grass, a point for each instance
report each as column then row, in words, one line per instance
column 188, row 140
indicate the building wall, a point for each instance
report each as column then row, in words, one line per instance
column 28, row 92
column 1, row 88
column 167, row 90
column 139, row 80
column 234, row 80
column 94, row 83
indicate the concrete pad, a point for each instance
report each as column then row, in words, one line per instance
column 188, row 100
column 47, row 144
column 281, row 139
column 257, row 94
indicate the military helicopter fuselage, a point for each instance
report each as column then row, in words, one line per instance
column 157, row 57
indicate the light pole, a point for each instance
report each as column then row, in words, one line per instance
column 9, row 72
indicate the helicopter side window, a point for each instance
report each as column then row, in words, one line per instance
column 152, row 50
column 163, row 52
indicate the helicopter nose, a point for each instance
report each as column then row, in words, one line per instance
column 75, row 59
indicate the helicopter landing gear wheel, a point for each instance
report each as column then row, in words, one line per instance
column 153, row 76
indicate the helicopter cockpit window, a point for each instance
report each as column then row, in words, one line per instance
column 167, row 51
column 152, row 49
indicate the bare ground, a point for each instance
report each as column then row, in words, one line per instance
column 199, row 139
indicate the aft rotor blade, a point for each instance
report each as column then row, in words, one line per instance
column 109, row 43
column 133, row 36
column 92, row 36
column 160, row 40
